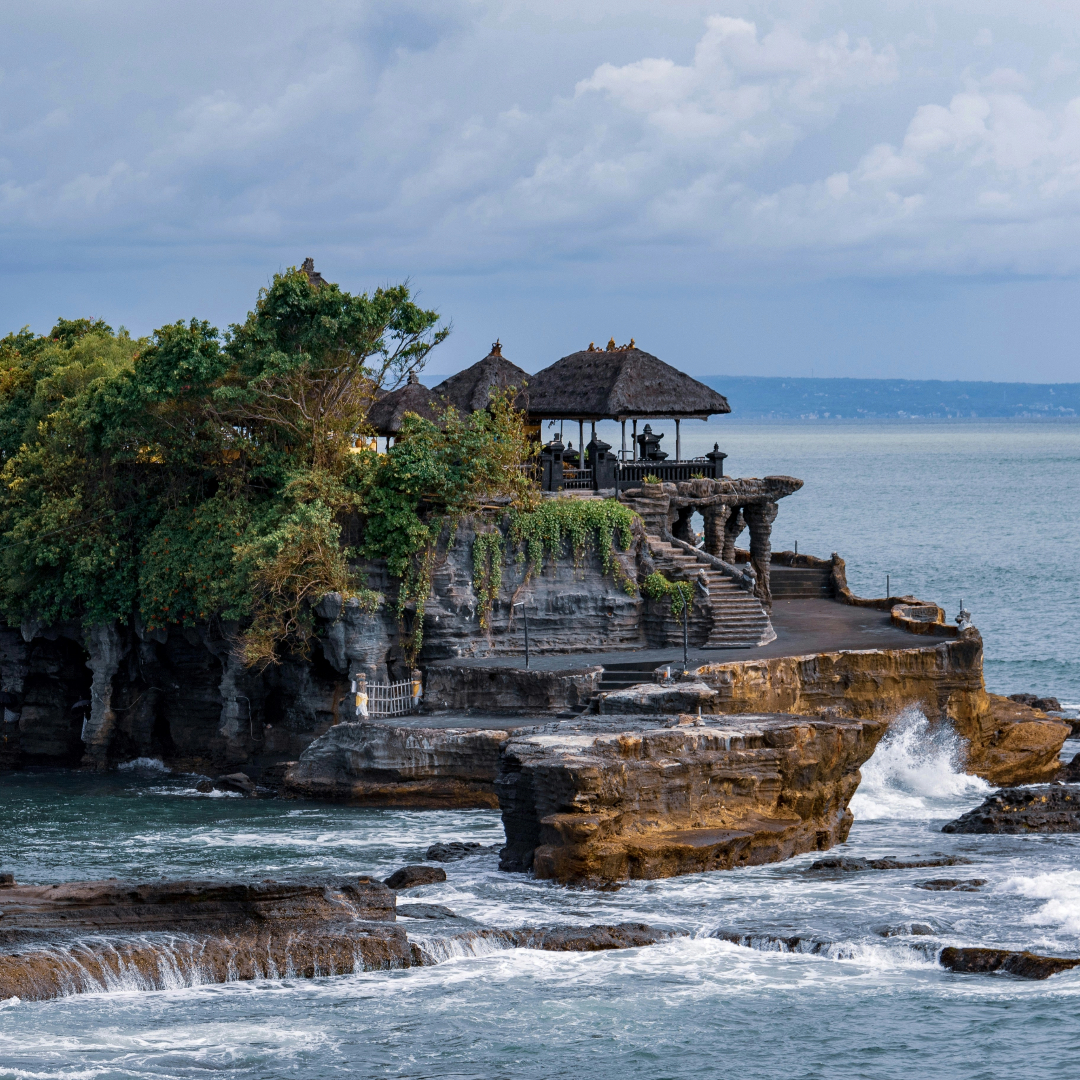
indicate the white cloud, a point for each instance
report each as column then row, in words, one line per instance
column 455, row 136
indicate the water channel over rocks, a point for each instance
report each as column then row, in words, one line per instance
column 836, row 975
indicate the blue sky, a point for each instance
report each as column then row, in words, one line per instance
column 776, row 188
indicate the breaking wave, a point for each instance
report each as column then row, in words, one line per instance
column 144, row 764
column 915, row 774
column 1060, row 890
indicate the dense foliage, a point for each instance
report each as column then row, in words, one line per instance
column 658, row 587
column 198, row 475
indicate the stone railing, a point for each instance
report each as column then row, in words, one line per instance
column 743, row 576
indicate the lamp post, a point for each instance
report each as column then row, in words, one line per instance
column 525, row 616
column 685, row 637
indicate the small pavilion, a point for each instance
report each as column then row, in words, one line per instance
column 621, row 383
column 470, row 390
column 388, row 410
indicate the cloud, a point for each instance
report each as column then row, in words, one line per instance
column 479, row 133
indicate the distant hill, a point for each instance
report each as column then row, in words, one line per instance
column 821, row 399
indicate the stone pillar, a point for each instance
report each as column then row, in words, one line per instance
column 715, row 518
column 734, row 524
column 680, row 528
column 759, row 519
column 106, row 649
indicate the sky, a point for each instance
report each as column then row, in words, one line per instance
column 827, row 188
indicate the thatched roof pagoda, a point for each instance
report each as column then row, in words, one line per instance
column 619, row 383
column 470, row 390
column 386, row 414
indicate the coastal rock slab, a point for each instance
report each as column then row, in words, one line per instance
column 666, row 698
column 1025, row 965
column 588, row 803
column 375, row 764
column 92, row 936
column 410, row 877
column 1049, row 808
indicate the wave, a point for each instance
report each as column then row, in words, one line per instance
column 915, row 774
column 144, row 764
column 1061, row 891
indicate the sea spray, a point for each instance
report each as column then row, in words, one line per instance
column 915, row 774
column 1061, row 892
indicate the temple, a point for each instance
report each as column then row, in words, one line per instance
column 627, row 385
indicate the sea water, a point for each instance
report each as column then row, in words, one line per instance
column 860, row 1004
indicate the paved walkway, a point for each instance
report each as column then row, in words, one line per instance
column 802, row 626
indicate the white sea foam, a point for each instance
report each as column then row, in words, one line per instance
column 144, row 764
column 1061, row 891
column 914, row 774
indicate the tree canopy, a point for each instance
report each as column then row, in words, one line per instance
column 197, row 475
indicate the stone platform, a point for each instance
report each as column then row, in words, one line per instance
column 802, row 626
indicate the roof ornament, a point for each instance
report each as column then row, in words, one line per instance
column 315, row 279
column 592, row 347
column 611, row 346
column 413, row 380
column 496, row 347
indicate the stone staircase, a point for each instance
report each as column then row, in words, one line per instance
column 800, row 582
column 738, row 619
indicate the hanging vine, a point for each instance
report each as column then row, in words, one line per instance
column 487, row 573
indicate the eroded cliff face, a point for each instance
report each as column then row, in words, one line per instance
column 102, row 694
column 1007, row 742
column 586, row 803
column 372, row 764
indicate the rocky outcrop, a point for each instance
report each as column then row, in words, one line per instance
column 94, row 936
column 848, row 864
column 590, row 804
column 101, row 935
column 410, row 877
column 1051, row 808
column 372, row 764
column 1024, row 965
column 1007, row 742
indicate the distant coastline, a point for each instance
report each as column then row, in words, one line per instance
column 761, row 398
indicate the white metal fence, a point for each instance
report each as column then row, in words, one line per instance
column 387, row 699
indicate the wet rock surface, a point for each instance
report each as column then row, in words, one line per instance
column 453, row 850
column 1048, row 808
column 1025, row 965
column 846, row 864
column 410, row 877
column 951, row 884
column 95, row 935
column 597, row 801
column 425, row 911
column 1043, row 704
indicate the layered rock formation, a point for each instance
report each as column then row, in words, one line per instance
column 1008, row 742
column 94, row 936
column 101, row 935
column 588, row 803
column 372, row 764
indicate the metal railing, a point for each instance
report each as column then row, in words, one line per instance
column 387, row 699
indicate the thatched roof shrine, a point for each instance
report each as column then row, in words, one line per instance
column 470, row 390
column 386, row 414
column 619, row 384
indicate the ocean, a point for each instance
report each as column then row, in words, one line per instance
column 980, row 511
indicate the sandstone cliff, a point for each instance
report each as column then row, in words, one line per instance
column 586, row 803
column 1007, row 742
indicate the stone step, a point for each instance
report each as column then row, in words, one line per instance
column 739, row 620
